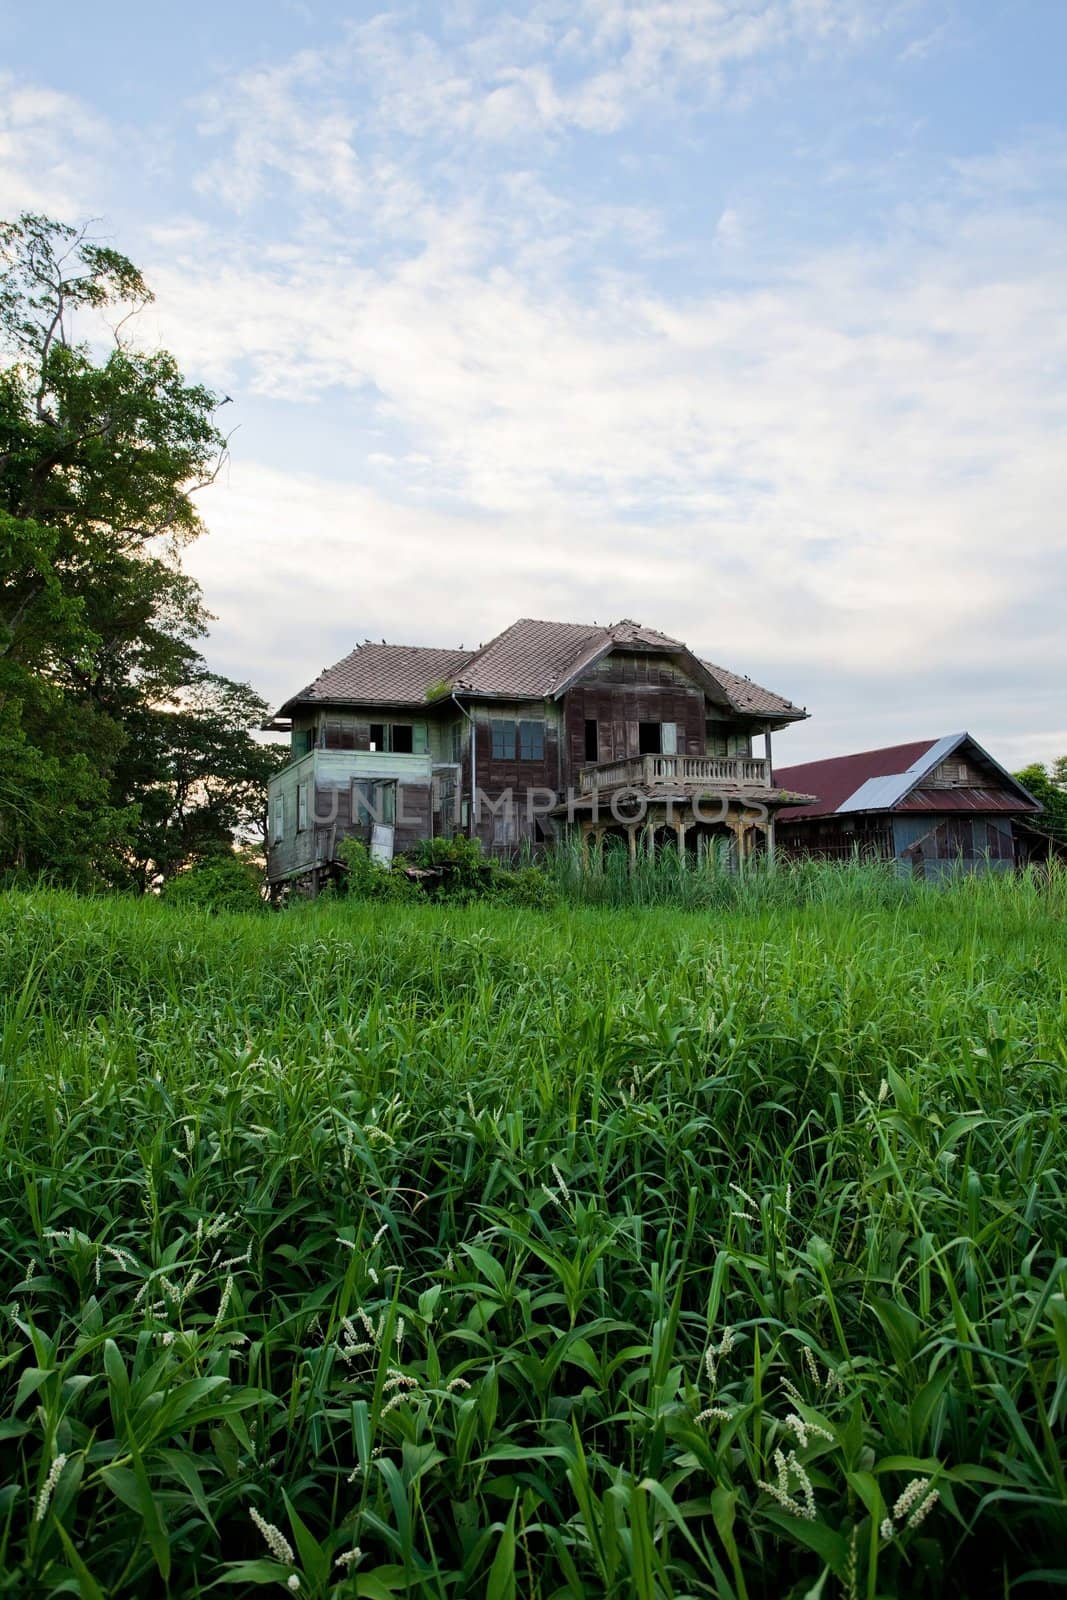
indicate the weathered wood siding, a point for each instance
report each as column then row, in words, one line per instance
column 837, row 838
column 527, row 782
column 325, row 779
column 622, row 691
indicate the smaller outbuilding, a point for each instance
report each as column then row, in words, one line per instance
column 934, row 806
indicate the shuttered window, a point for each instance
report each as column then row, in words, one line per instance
column 531, row 741
column 503, row 734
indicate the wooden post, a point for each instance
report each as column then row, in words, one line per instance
column 631, row 844
column 679, row 828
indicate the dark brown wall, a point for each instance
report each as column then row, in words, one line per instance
column 622, row 691
column 495, row 777
column 832, row 838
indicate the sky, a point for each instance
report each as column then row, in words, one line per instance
column 741, row 318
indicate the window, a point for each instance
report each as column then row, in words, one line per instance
column 278, row 829
column 373, row 801
column 385, row 797
column 301, row 808
column 401, row 738
column 503, row 745
column 339, row 735
column 592, row 739
column 719, row 741
column 531, row 741
column 648, row 738
column 504, row 828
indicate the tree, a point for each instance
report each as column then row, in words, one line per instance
column 1049, row 785
column 109, row 718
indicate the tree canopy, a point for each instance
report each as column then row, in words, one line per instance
column 122, row 757
column 1049, row 785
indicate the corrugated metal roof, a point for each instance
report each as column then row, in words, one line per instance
column 889, row 779
column 837, row 779
column 961, row 799
column 530, row 660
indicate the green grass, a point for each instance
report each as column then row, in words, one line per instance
column 439, row 1232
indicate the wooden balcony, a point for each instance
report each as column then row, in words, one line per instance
column 680, row 772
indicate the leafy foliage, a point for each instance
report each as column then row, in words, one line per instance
column 482, row 1253
column 223, row 882
column 366, row 879
column 1049, row 785
column 113, row 729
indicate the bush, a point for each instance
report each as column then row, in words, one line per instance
column 220, row 883
column 365, row 879
column 523, row 886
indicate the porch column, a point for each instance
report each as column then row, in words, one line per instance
column 631, row 845
column 679, row 828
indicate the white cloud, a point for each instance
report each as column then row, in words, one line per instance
column 52, row 148
column 269, row 129
column 854, row 465
column 587, row 67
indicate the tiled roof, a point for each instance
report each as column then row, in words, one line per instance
column 890, row 779
column 387, row 674
column 530, row 660
column 749, row 696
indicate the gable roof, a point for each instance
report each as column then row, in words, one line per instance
column 530, row 660
column 886, row 779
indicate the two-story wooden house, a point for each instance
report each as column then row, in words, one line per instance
column 615, row 732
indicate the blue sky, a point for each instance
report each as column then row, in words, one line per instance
column 741, row 317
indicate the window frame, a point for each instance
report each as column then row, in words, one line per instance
column 537, row 752
column 503, row 747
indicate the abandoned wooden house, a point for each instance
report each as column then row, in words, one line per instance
column 618, row 733
column 934, row 806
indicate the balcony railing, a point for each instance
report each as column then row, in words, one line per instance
column 650, row 772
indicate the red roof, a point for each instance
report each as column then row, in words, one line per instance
column 836, row 779
column 960, row 799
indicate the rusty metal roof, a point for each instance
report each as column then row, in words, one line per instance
column 530, row 660
column 891, row 779
column 962, row 799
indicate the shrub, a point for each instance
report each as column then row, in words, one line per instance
column 219, row 883
column 524, row 886
column 365, row 879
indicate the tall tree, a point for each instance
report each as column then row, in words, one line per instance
column 102, row 449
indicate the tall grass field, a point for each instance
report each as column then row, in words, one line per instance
column 375, row 1250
